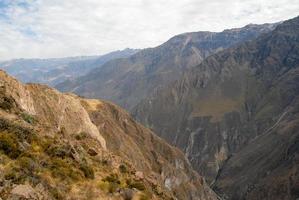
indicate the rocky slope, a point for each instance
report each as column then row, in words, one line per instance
column 60, row 146
column 236, row 116
column 56, row 70
column 128, row 81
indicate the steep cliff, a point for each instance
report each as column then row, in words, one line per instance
column 235, row 116
column 60, row 146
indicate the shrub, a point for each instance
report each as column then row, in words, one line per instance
column 112, row 178
column 45, row 143
column 109, row 187
column 113, row 187
column 20, row 133
column 123, row 168
column 105, row 162
column 28, row 118
column 103, row 186
column 56, row 193
column 64, row 170
column 10, row 175
column 9, row 145
column 14, row 174
column 143, row 196
column 81, row 136
column 27, row 164
column 6, row 103
column 113, row 182
column 59, row 150
column 135, row 184
column 87, row 170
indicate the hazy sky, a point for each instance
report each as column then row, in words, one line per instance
column 59, row 28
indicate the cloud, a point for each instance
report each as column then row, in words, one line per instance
column 59, row 28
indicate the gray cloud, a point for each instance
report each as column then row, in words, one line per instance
column 59, row 28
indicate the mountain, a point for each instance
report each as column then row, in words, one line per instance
column 56, row 70
column 127, row 81
column 236, row 116
column 60, row 146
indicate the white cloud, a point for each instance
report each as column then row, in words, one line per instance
column 58, row 28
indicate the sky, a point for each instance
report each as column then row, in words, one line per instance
column 62, row 28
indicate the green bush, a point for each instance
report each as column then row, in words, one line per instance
column 56, row 193
column 9, row 145
column 28, row 118
column 6, row 103
column 123, row 169
column 21, row 133
column 15, row 175
column 87, row 170
column 113, row 187
column 143, row 196
column 105, row 162
column 11, row 175
column 63, row 169
column 113, row 182
column 27, row 165
column 135, row 184
column 59, row 150
column 81, row 136
column 112, row 178
column 45, row 143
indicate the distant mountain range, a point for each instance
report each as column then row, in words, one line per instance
column 129, row 80
column 56, row 70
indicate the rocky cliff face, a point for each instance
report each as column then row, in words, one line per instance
column 235, row 116
column 60, row 146
column 128, row 81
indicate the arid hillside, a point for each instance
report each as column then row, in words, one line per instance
column 60, row 146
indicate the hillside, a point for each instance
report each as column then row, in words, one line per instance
column 60, row 146
column 56, row 70
column 127, row 81
column 236, row 116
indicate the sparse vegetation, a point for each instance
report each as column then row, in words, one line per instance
column 32, row 158
column 28, row 118
column 81, row 136
column 112, row 178
column 112, row 182
column 6, row 103
column 135, row 184
column 64, row 170
column 9, row 145
column 123, row 168
column 87, row 170
column 143, row 196
column 59, row 150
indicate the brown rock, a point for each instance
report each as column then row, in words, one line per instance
column 23, row 192
column 139, row 175
column 92, row 152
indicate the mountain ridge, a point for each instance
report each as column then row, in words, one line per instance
column 218, row 109
column 55, row 70
column 128, row 81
